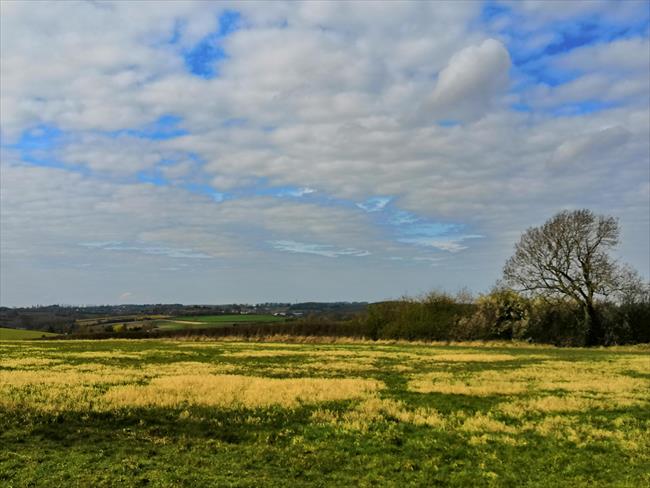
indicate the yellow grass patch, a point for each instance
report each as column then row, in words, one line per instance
column 448, row 383
column 602, row 378
column 88, row 386
column 236, row 391
column 582, row 433
column 472, row 357
column 375, row 409
column 97, row 355
column 257, row 353
column 64, row 376
column 20, row 363
column 556, row 404
column 485, row 423
column 321, row 367
column 187, row 367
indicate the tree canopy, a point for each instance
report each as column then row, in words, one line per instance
column 569, row 255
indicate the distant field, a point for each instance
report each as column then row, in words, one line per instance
column 205, row 321
column 118, row 319
column 16, row 334
column 211, row 319
column 175, row 413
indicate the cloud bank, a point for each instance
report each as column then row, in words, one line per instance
column 226, row 151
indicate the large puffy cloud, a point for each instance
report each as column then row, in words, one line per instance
column 468, row 84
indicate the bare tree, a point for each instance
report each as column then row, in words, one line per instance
column 569, row 256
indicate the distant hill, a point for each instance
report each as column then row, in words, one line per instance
column 70, row 319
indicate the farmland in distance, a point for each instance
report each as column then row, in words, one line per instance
column 209, row 321
column 9, row 334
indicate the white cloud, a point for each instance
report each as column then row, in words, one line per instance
column 590, row 149
column 534, row 13
column 467, row 86
column 619, row 57
column 311, row 95
column 156, row 250
column 615, row 72
column 116, row 155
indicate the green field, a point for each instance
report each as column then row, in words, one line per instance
column 19, row 334
column 231, row 319
column 209, row 321
column 174, row 413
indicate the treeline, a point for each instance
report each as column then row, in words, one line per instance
column 502, row 314
column 322, row 326
column 505, row 314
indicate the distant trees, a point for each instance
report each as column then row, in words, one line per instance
column 568, row 256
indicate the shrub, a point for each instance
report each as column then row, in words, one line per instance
column 556, row 321
column 502, row 314
column 627, row 322
column 432, row 317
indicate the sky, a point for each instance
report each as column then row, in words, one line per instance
column 199, row 152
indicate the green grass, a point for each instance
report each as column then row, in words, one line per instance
column 440, row 416
column 19, row 334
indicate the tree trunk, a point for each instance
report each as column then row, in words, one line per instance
column 593, row 325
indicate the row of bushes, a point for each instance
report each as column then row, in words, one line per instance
column 505, row 314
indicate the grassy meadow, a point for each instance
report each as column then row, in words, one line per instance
column 7, row 334
column 170, row 413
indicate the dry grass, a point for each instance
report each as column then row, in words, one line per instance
column 607, row 378
column 27, row 362
column 486, row 423
column 472, row 357
column 374, row 410
column 261, row 353
column 64, row 391
column 574, row 430
column 451, row 384
column 230, row 391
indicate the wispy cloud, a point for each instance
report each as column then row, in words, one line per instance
column 428, row 259
column 451, row 244
column 169, row 252
column 298, row 192
column 401, row 217
column 374, row 204
column 318, row 249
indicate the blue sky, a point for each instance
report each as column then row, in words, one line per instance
column 214, row 152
